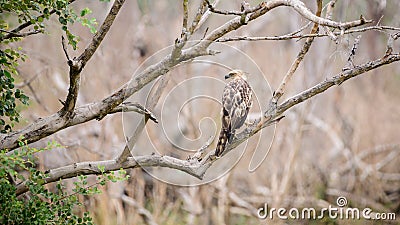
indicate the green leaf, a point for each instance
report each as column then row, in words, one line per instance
column 85, row 12
column 6, row 73
column 62, row 20
column 46, row 11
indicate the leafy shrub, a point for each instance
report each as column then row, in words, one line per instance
column 40, row 205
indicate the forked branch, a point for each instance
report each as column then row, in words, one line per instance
column 77, row 65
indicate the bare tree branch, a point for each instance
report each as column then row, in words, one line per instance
column 64, row 46
column 231, row 12
column 12, row 34
column 350, row 60
column 267, row 6
column 193, row 167
column 336, row 80
column 306, row 13
column 77, row 65
column 99, row 36
column 329, row 12
column 329, row 9
column 92, row 168
column 201, row 16
column 134, row 107
column 392, row 38
column 185, row 16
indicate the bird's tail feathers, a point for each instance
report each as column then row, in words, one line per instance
column 224, row 137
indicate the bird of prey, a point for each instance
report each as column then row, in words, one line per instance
column 236, row 103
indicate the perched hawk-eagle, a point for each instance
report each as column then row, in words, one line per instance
column 236, row 103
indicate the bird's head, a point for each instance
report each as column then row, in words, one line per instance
column 236, row 74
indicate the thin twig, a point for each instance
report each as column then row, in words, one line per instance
column 299, row 30
column 134, row 107
column 329, row 12
column 329, row 9
column 389, row 46
column 64, row 46
column 99, row 36
column 301, row 8
column 350, row 60
column 200, row 17
column 302, row 36
column 11, row 34
column 232, row 12
column 185, row 16
column 291, row 35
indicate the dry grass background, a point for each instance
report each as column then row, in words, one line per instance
column 344, row 142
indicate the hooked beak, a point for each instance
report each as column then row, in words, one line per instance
column 227, row 76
